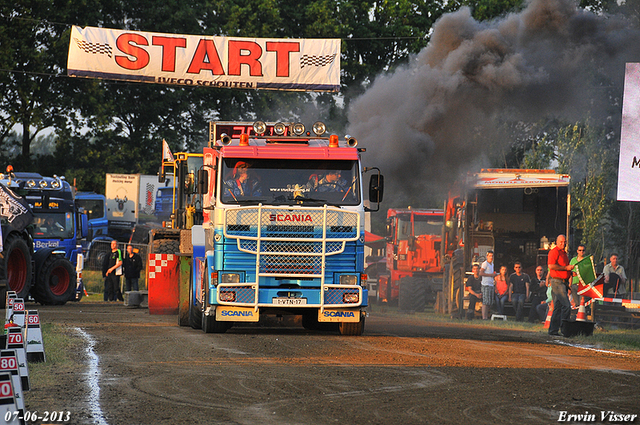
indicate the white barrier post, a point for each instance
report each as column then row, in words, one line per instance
column 8, row 406
column 18, row 312
column 15, row 341
column 9, row 364
column 33, row 336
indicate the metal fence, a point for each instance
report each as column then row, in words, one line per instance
column 95, row 255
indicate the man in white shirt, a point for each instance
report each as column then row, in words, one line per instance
column 488, row 275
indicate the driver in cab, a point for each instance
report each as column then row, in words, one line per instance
column 330, row 182
column 241, row 183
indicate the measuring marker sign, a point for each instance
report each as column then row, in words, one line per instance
column 8, row 405
column 19, row 312
column 11, row 296
column 9, row 364
column 15, row 341
column 33, row 336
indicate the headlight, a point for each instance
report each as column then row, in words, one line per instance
column 350, row 298
column 259, row 127
column 279, row 128
column 298, row 128
column 348, row 279
column 230, row 278
column 228, row 296
column 319, row 128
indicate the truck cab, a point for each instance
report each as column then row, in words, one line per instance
column 283, row 228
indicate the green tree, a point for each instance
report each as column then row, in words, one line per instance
column 590, row 158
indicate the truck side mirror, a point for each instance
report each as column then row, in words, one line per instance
column 161, row 176
column 376, row 188
column 203, row 181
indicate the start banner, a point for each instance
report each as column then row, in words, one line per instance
column 193, row 60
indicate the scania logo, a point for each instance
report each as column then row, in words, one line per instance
column 290, row 217
column 339, row 314
column 238, row 313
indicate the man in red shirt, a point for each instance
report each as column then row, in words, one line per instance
column 559, row 276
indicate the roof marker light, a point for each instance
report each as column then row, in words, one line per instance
column 333, row 141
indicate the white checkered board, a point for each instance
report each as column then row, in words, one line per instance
column 158, row 261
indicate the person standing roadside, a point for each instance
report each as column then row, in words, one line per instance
column 559, row 274
column 538, row 293
column 132, row 264
column 111, row 271
column 488, row 292
column 519, row 284
column 474, row 286
column 615, row 278
column 575, row 280
column 502, row 289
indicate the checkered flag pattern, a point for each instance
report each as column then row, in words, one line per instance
column 95, row 48
column 313, row 60
column 157, row 262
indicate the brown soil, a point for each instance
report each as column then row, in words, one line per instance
column 404, row 370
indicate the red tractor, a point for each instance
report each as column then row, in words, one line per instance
column 414, row 273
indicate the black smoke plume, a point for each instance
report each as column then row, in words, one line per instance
column 436, row 118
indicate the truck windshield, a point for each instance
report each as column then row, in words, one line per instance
column 93, row 207
column 289, row 182
column 53, row 225
column 422, row 225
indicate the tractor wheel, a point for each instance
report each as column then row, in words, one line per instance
column 413, row 294
column 56, row 282
column 15, row 260
column 165, row 246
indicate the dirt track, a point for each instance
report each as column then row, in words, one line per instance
column 403, row 370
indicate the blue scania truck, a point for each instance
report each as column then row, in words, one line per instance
column 56, row 230
column 283, row 228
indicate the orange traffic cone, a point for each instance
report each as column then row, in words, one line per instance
column 547, row 321
column 582, row 312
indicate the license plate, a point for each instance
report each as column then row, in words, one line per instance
column 289, row 301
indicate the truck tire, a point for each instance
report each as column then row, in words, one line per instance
column 413, row 294
column 165, row 246
column 352, row 328
column 311, row 323
column 15, row 260
column 56, row 282
column 211, row 325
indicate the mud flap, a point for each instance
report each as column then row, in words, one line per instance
column 339, row 315
column 226, row 313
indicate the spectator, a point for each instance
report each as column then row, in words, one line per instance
column 474, row 286
column 132, row 264
column 488, row 293
column 543, row 308
column 537, row 293
column 559, row 275
column 111, row 272
column 519, row 290
column 580, row 255
column 502, row 289
column 615, row 279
